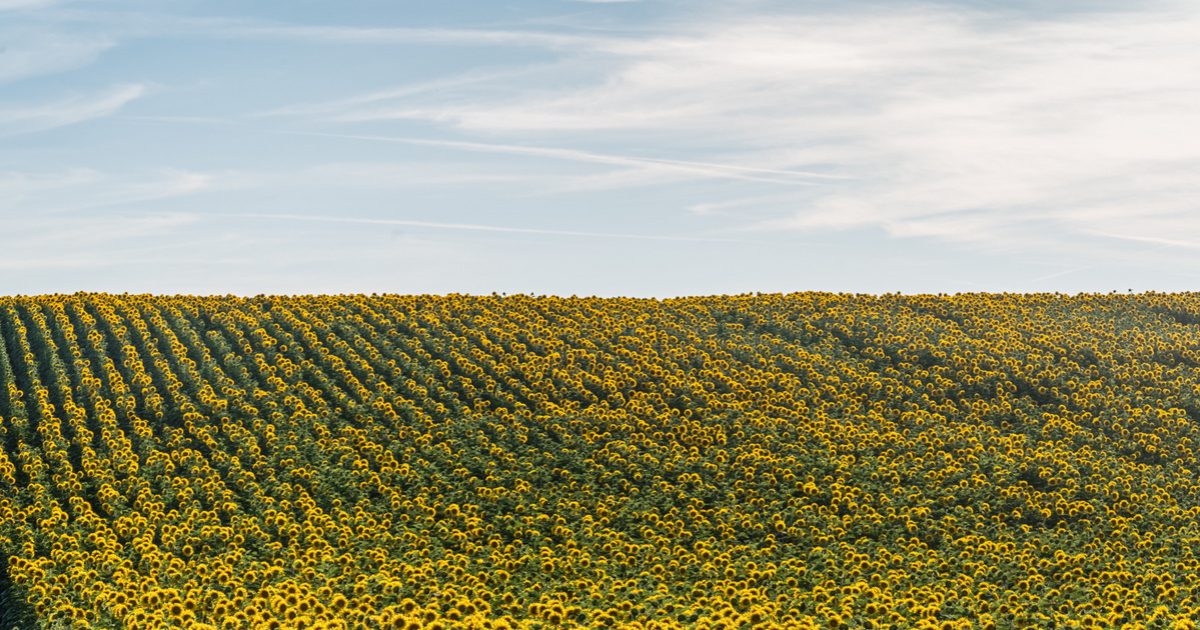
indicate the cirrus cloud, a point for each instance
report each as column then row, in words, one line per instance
column 952, row 123
column 67, row 111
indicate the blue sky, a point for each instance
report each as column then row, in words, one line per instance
column 646, row 148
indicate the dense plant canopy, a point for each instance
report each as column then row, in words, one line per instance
column 806, row 460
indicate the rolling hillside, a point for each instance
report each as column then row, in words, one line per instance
column 806, row 460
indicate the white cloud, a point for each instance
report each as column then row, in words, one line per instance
column 956, row 124
column 469, row 227
column 16, row 185
column 724, row 207
column 1153, row 240
column 15, row 5
column 31, row 118
column 1057, row 136
column 170, row 183
column 26, row 53
column 691, row 167
column 30, row 194
column 405, row 35
column 438, row 86
column 421, row 174
column 87, row 242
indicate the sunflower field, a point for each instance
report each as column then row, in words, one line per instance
column 809, row 460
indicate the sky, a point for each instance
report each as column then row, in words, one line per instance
column 645, row 148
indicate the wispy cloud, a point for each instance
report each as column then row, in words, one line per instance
column 354, row 103
column 706, row 169
column 470, row 227
column 31, row 118
column 87, row 242
column 722, row 207
column 415, row 35
column 184, row 120
column 30, row 52
column 15, row 185
column 1059, row 274
column 24, row 194
column 1052, row 140
column 168, row 184
column 14, row 5
column 1015, row 120
column 145, row 23
column 1152, row 240
column 423, row 174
